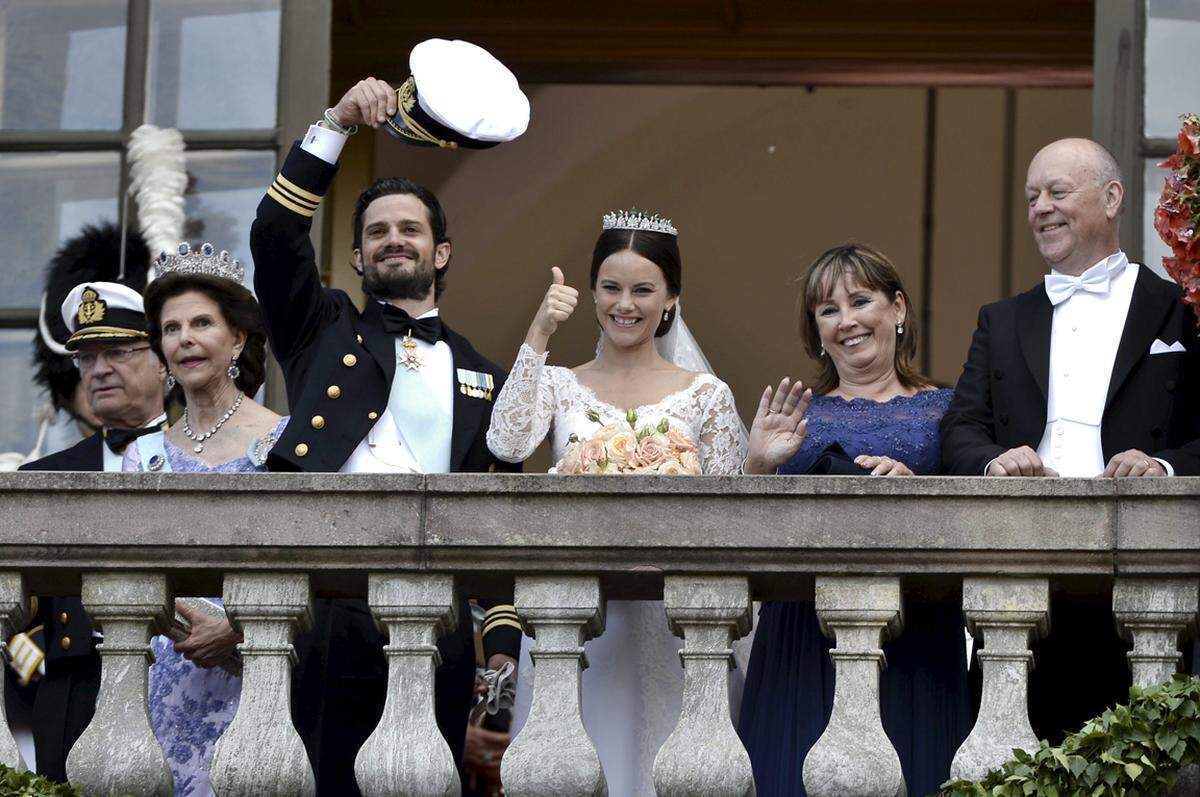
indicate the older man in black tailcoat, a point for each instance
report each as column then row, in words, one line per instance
column 1095, row 372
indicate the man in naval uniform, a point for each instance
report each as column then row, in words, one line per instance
column 122, row 381
column 391, row 389
column 1095, row 372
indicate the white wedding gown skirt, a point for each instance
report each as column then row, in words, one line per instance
column 632, row 693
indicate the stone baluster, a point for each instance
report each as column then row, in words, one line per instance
column 552, row 756
column 1006, row 613
column 406, row 754
column 12, row 619
column 118, row 753
column 703, row 756
column 260, row 752
column 1155, row 613
column 854, row 755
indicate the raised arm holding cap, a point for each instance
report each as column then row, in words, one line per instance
column 389, row 389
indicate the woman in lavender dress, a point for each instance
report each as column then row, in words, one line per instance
column 872, row 413
column 206, row 328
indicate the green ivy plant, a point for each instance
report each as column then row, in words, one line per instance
column 28, row 784
column 1133, row 750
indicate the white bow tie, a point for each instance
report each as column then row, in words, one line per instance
column 1060, row 287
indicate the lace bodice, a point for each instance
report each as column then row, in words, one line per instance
column 905, row 428
column 538, row 399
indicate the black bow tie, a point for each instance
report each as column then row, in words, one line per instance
column 118, row 439
column 398, row 322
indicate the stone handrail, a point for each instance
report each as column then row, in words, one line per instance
column 706, row 545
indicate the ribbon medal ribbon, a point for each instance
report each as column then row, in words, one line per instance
column 475, row 384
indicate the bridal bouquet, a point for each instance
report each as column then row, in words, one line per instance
column 624, row 448
column 1177, row 217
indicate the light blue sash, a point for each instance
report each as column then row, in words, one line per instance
column 153, row 453
column 425, row 426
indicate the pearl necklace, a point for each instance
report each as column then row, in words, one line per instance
column 199, row 439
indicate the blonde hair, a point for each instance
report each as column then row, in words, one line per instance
column 871, row 269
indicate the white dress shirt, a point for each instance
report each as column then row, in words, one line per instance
column 384, row 450
column 326, row 144
column 1084, row 335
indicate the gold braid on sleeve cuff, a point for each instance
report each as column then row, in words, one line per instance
column 293, row 197
column 500, row 616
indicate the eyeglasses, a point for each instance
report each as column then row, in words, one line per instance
column 85, row 360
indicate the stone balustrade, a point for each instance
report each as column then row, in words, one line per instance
column 269, row 543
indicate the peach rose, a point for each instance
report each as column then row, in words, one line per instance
column 571, row 462
column 679, row 441
column 670, row 468
column 592, row 454
column 607, row 433
column 621, row 447
column 652, row 451
column 690, row 462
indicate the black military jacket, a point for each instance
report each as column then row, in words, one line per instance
column 338, row 363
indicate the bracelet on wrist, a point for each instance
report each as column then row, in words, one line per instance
column 337, row 126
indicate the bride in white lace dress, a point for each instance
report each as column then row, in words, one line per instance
column 633, row 687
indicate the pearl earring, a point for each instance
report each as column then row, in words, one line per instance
column 822, row 349
column 233, row 371
column 666, row 315
column 899, row 327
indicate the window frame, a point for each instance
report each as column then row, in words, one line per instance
column 303, row 89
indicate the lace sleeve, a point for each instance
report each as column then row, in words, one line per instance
column 524, row 408
column 722, row 447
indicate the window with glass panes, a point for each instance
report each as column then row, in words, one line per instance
column 77, row 76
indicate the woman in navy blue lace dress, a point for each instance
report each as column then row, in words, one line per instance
column 874, row 413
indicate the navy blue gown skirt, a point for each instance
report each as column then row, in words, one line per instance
column 925, row 699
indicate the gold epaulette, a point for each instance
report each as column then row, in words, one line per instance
column 293, row 197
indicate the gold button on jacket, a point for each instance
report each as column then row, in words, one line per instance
column 318, row 422
column 359, row 339
column 65, row 642
column 63, row 618
column 333, row 391
column 349, row 360
column 372, row 415
column 302, row 449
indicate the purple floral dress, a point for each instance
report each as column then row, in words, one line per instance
column 191, row 706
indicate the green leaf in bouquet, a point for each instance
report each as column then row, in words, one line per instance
column 631, row 417
column 663, row 426
column 593, row 416
column 574, row 438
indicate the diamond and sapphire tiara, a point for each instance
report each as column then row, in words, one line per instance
column 205, row 260
column 634, row 219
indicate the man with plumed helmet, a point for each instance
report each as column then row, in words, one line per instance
column 99, row 324
column 93, row 254
column 390, row 389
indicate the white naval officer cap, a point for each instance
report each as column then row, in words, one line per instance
column 458, row 95
column 103, row 312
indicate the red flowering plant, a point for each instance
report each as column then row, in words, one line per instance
column 1177, row 217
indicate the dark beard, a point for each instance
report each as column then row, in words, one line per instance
column 414, row 283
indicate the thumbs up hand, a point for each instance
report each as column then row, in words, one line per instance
column 557, row 307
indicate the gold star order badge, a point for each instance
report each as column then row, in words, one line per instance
column 409, row 358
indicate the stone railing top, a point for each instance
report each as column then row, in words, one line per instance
column 497, row 525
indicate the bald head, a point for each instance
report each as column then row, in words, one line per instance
column 1092, row 158
column 1074, row 191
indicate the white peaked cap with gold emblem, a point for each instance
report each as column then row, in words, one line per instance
column 459, row 94
column 103, row 312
